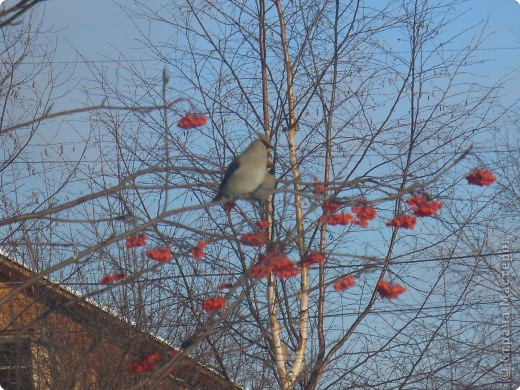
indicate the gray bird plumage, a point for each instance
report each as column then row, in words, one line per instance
column 267, row 187
column 247, row 171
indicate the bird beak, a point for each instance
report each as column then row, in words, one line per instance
column 265, row 140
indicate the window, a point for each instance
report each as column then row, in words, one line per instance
column 15, row 364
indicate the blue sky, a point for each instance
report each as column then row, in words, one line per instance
column 98, row 28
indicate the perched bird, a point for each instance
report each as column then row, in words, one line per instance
column 247, row 171
column 267, row 187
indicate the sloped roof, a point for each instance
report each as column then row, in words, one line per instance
column 69, row 302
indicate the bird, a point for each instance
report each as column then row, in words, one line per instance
column 267, row 187
column 247, row 171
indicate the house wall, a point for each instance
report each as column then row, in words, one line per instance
column 75, row 344
column 69, row 353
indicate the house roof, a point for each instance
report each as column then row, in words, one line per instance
column 69, row 302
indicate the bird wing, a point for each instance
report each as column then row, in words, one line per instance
column 235, row 164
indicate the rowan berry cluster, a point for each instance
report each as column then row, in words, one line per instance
column 389, row 290
column 191, row 121
column 480, row 177
column 213, row 304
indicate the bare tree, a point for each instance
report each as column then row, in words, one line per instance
column 367, row 106
column 51, row 183
column 378, row 106
column 12, row 14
